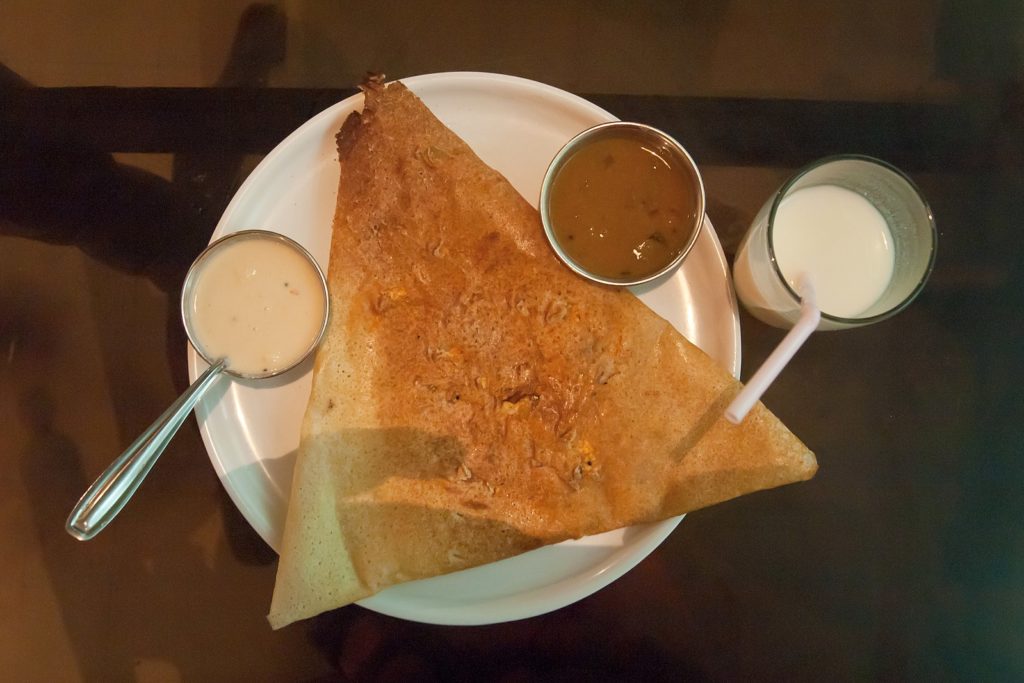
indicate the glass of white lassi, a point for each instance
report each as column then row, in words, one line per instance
column 857, row 228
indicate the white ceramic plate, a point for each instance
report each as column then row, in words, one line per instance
column 252, row 430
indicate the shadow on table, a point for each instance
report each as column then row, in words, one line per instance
column 58, row 190
column 597, row 639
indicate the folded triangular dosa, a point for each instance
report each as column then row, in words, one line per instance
column 475, row 399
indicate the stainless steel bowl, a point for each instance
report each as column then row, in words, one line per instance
column 187, row 296
column 618, row 129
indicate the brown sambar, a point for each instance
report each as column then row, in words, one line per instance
column 624, row 206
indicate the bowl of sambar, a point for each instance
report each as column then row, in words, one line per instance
column 622, row 203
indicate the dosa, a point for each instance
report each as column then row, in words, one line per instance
column 474, row 399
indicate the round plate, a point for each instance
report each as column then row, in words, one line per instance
column 251, row 430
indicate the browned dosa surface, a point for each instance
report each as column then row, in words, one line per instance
column 474, row 399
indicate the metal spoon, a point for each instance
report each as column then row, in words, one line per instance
column 111, row 492
column 114, row 488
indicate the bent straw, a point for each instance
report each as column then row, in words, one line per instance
column 772, row 366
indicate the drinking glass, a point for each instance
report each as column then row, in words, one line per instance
column 771, row 296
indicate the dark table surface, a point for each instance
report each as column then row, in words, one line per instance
column 125, row 131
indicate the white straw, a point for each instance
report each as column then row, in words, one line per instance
column 772, row 366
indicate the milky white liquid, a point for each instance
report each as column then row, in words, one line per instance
column 257, row 302
column 840, row 241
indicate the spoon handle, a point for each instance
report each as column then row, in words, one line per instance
column 115, row 487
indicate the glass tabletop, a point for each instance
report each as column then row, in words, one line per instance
column 125, row 131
